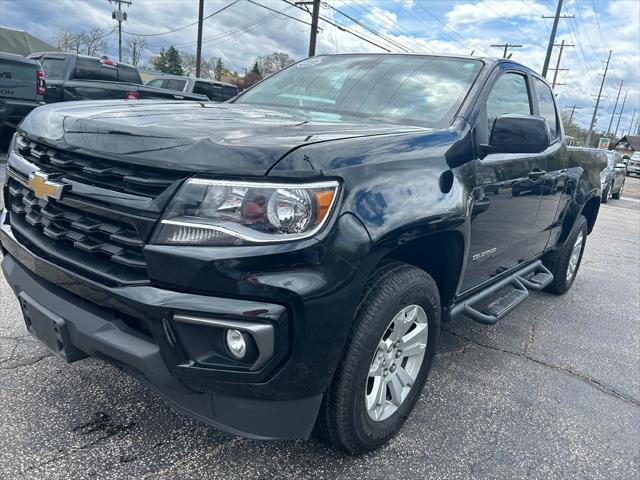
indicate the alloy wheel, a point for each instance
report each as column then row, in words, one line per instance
column 575, row 256
column 396, row 362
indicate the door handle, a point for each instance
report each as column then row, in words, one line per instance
column 537, row 173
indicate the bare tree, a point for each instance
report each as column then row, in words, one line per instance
column 68, row 41
column 270, row 64
column 93, row 42
column 135, row 46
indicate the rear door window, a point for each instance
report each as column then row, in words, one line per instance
column 175, row 84
column 547, row 106
column 213, row 92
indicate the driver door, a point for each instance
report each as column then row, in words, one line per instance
column 507, row 191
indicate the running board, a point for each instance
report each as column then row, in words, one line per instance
column 534, row 276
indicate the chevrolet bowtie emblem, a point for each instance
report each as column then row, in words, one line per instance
column 43, row 187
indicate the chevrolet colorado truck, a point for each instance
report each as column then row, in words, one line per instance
column 80, row 77
column 282, row 262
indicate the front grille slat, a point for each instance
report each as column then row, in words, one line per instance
column 143, row 181
column 115, row 248
column 98, row 226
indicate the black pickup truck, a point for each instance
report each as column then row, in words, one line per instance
column 285, row 260
column 22, row 88
column 79, row 77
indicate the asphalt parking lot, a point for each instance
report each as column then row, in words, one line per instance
column 552, row 391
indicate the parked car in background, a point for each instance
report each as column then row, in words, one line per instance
column 213, row 89
column 291, row 268
column 633, row 164
column 613, row 176
column 22, row 88
column 79, row 77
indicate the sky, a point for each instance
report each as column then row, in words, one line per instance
column 245, row 30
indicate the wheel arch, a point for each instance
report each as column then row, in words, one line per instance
column 440, row 254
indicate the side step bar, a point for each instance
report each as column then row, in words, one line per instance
column 534, row 276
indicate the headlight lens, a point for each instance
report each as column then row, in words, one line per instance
column 221, row 212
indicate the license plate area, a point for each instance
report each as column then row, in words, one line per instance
column 49, row 328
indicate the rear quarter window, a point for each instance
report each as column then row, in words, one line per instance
column 547, row 106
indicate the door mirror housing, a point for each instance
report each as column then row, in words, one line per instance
column 519, row 134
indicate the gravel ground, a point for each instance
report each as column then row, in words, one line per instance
column 552, row 391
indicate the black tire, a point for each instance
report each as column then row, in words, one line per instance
column 616, row 196
column 558, row 261
column 343, row 419
column 605, row 194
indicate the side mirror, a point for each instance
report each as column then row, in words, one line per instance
column 519, row 134
column 620, row 166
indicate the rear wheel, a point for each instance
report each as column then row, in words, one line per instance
column 565, row 262
column 385, row 362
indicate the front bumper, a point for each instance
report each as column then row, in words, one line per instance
column 126, row 326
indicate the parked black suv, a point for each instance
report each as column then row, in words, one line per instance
column 285, row 260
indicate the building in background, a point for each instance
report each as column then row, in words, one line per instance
column 627, row 145
column 22, row 43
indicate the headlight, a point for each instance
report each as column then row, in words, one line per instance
column 221, row 212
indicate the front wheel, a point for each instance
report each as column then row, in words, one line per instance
column 565, row 262
column 606, row 193
column 385, row 362
column 618, row 194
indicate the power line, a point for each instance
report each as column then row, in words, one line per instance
column 369, row 29
column 505, row 20
column 185, row 26
column 393, row 26
column 282, row 13
column 593, row 5
column 341, row 27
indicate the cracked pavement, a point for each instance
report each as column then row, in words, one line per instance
column 551, row 391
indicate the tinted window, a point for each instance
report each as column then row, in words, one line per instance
column 229, row 92
column 213, row 92
column 92, row 69
column 509, row 95
column 128, row 74
column 173, row 84
column 54, row 68
column 547, row 106
column 157, row 83
column 415, row 90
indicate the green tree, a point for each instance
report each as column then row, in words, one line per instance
column 256, row 70
column 168, row 61
column 219, row 68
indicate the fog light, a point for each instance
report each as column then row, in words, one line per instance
column 236, row 343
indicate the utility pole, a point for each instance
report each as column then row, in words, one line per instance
column 315, row 16
column 120, row 16
column 557, row 69
column 621, row 111
column 573, row 110
column 199, row 47
column 552, row 37
column 595, row 110
column 614, row 107
column 506, row 47
column 631, row 124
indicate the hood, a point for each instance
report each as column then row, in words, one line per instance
column 190, row 136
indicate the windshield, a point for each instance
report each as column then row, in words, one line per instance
column 414, row 90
